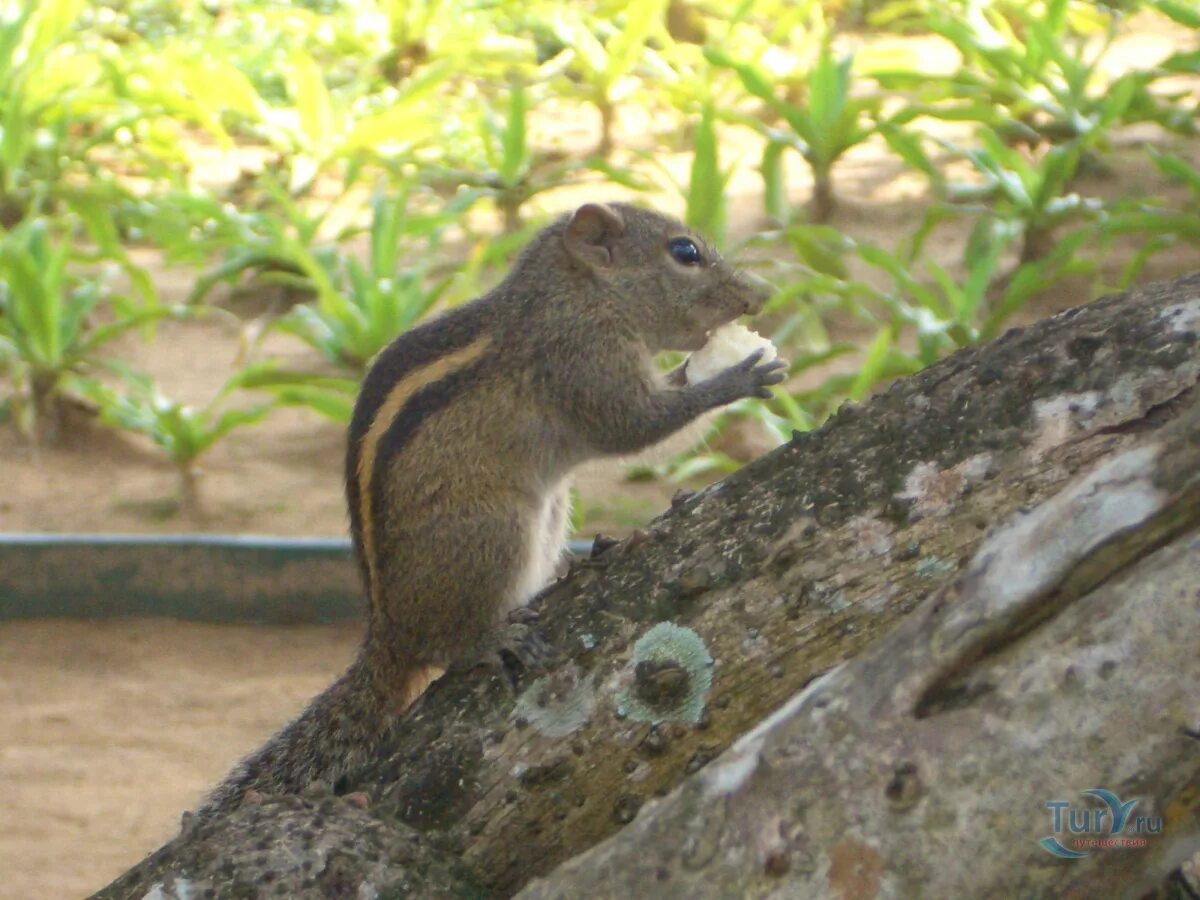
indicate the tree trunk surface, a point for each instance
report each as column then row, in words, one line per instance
column 971, row 597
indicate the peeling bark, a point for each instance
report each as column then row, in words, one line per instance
column 796, row 564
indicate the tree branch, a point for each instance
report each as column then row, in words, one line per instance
column 770, row 579
column 1062, row 659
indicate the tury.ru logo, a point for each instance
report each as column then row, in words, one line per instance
column 1095, row 826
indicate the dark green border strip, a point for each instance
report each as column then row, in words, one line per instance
column 206, row 578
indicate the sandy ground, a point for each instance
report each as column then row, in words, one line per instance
column 108, row 730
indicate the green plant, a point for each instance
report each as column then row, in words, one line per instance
column 1028, row 188
column 324, row 130
column 602, row 52
column 1179, row 169
column 479, row 40
column 1182, row 113
column 706, row 208
column 1182, row 11
column 52, row 96
column 279, row 243
column 1159, row 230
column 822, row 118
column 506, row 168
column 1033, row 72
column 166, row 93
column 359, row 308
column 1159, row 227
column 946, row 313
column 54, row 323
column 356, row 308
column 182, row 432
column 85, row 103
column 331, row 396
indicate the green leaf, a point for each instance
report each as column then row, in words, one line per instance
column 774, row 188
column 908, row 146
column 701, row 464
column 513, row 139
column 898, row 270
column 872, row 369
column 1032, row 278
column 333, row 406
column 407, row 125
column 828, row 104
column 50, row 24
column 1154, row 222
column 626, row 177
column 706, row 186
column 1176, row 167
column 1187, row 63
column 821, row 247
column 227, row 422
column 625, row 48
column 1186, row 14
column 104, row 333
column 754, row 80
column 1057, row 169
column 796, row 417
column 387, row 218
column 306, row 85
column 1144, row 254
column 221, row 87
column 955, row 295
column 329, row 396
column 1118, row 99
column 12, row 33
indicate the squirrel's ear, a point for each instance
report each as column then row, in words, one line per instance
column 593, row 230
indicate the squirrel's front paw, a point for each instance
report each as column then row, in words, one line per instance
column 750, row 378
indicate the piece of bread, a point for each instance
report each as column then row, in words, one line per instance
column 727, row 346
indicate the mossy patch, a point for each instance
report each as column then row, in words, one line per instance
column 672, row 674
column 558, row 704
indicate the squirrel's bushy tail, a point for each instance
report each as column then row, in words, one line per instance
column 336, row 735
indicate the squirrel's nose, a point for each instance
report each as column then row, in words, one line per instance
column 758, row 292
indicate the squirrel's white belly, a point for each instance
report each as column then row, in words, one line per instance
column 547, row 541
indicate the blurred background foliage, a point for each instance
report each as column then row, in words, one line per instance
column 362, row 164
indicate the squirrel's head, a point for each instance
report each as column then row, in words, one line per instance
column 666, row 279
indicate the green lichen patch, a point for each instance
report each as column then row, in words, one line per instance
column 558, row 704
column 672, row 674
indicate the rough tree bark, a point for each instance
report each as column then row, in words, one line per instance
column 924, row 763
column 1066, row 656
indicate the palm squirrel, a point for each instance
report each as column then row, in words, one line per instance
column 461, row 443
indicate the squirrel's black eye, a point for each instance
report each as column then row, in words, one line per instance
column 685, row 252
